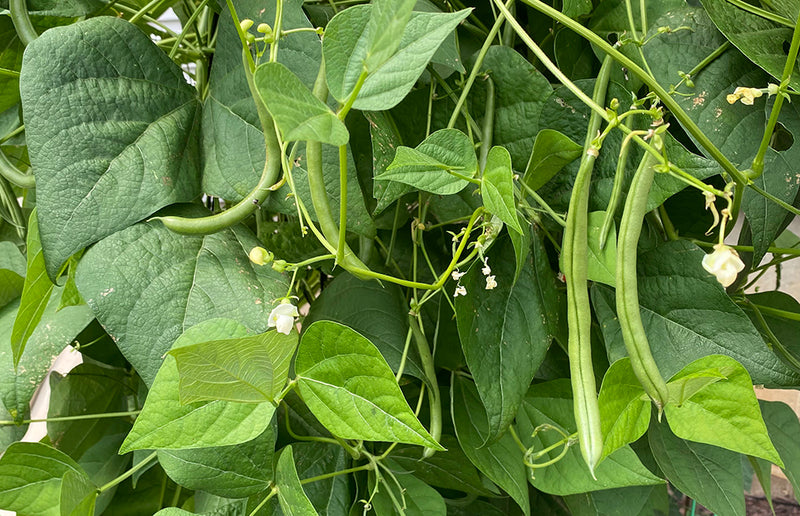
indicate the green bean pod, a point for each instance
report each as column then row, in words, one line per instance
column 579, row 313
column 616, row 191
column 628, row 312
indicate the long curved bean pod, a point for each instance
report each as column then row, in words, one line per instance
column 630, row 318
column 579, row 312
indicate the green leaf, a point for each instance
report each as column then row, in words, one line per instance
column 710, row 475
column 251, row 369
column 378, row 312
column 551, row 403
column 724, row 413
column 577, row 8
column 786, row 330
column 601, row 263
column 428, row 167
column 129, row 150
column 78, row 495
column 501, row 460
column 87, row 389
column 520, row 93
column 681, row 388
column 35, row 292
column 522, row 247
column 783, row 429
column 678, row 298
column 145, row 301
column 30, row 479
column 342, row 378
column 450, row 469
column 71, row 296
column 767, row 219
column 552, row 151
column 415, row 497
column 637, row 500
column 624, row 415
column 233, row 144
column 10, row 59
column 12, row 272
column 502, row 331
column 346, row 46
column 497, row 187
column 293, row 500
column 759, row 39
column 17, row 385
column 297, row 112
column 166, row 423
column 234, row 471
column 387, row 22
column 385, row 141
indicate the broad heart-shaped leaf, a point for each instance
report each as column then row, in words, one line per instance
column 12, row 272
column 624, row 415
column 710, row 475
column 233, row 145
column 78, row 495
column 350, row 388
column 551, row 403
column 235, row 471
column 30, row 479
column 783, row 429
column 293, row 500
column 601, row 263
column 297, row 112
column 551, row 152
column 724, row 413
column 346, row 45
column 35, row 292
column 501, row 461
column 17, row 387
column 497, row 187
column 428, row 166
column 146, row 300
column 129, row 150
column 767, row 219
column 406, row 491
column 167, row 424
column 679, row 300
column 378, row 312
column 759, row 39
column 636, row 500
column 450, row 470
column 250, row 369
column 520, row 93
column 502, row 331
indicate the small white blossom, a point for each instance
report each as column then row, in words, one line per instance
column 773, row 89
column 282, row 317
column 456, row 275
column 490, row 282
column 746, row 95
column 724, row 263
column 486, row 270
column 460, row 291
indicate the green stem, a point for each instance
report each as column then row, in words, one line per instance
column 783, row 204
column 72, row 418
column 143, row 11
column 476, row 67
column 749, row 248
column 269, row 176
column 784, row 314
column 22, row 22
column 434, row 398
column 705, row 62
column 636, row 39
column 791, row 59
column 342, row 243
column 9, row 201
column 651, row 83
column 276, row 27
column 616, row 190
column 773, row 339
column 9, row 73
column 128, row 473
column 13, row 174
column 273, row 492
column 188, row 24
column 326, row 476
column 342, row 114
column 488, row 124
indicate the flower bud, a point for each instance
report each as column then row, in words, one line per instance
column 724, row 263
column 260, row 256
column 279, row 265
column 246, row 24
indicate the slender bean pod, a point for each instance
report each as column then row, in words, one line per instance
column 579, row 312
column 15, row 175
column 630, row 318
column 22, row 22
column 616, row 191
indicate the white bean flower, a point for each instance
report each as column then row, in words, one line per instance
column 461, row 290
column 282, row 317
column 457, row 275
column 490, row 282
column 724, row 263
